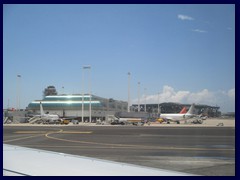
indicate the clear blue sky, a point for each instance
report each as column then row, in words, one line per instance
column 184, row 52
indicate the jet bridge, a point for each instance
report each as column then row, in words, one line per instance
column 34, row 120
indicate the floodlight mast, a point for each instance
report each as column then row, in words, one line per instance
column 129, row 76
column 90, row 94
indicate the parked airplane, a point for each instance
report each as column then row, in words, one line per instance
column 45, row 118
column 179, row 117
column 183, row 111
column 50, row 118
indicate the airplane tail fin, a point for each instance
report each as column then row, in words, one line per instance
column 191, row 109
column 183, row 111
column 41, row 109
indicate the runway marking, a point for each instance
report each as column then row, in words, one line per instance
column 134, row 146
column 30, row 132
column 76, row 132
column 39, row 133
column 43, row 132
column 22, row 138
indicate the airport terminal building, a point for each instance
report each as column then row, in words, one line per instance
column 171, row 107
column 66, row 105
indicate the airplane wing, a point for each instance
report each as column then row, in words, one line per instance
column 69, row 118
column 21, row 161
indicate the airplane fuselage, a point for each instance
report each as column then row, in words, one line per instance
column 51, row 117
column 175, row 117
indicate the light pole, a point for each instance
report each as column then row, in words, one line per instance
column 145, row 96
column 89, row 89
column 82, row 96
column 158, row 104
column 8, row 104
column 18, row 91
column 90, row 93
column 129, row 75
column 138, row 96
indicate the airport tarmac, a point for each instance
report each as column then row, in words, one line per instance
column 198, row 150
column 210, row 122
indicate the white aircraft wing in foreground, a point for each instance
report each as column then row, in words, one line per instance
column 21, row 161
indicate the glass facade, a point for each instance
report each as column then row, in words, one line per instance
column 74, row 102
